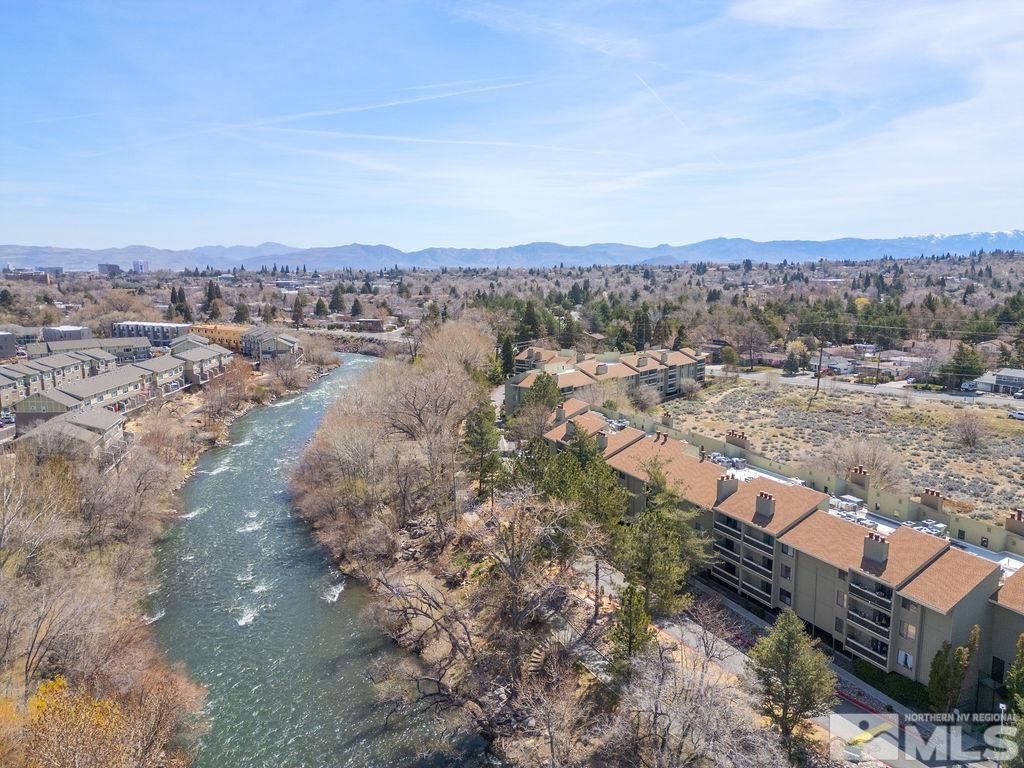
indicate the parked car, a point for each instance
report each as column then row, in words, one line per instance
column 969, row 386
column 1019, row 394
column 1019, row 415
column 911, row 379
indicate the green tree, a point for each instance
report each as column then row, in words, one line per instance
column 791, row 365
column 337, row 299
column 632, row 633
column 241, row 312
column 793, row 678
column 965, row 364
column 947, row 676
column 357, row 308
column 297, row 313
column 480, row 446
column 1015, row 681
column 650, row 551
column 730, row 358
column 508, row 357
column 544, row 390
column 320, row 310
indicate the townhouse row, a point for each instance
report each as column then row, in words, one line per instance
column 884, row 591
column 258, row 342
column 25, row 378
column 664, row 370
column 191, row 362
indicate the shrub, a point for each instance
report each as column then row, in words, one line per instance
column 893, row 685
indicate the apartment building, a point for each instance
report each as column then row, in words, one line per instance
column 160, row 334
column 66, row 333
column 226, row 335
column 93, row 431
column 126, row 350
column 203, row 363
column 8, row 345
column 886, row 591
column 663, row 370
column 262, row 342
column 165, row 374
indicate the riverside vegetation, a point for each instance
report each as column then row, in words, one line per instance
column 476, row 559
column 82, row 682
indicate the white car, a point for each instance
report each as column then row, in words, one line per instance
column 1019, row 394
column 1019, row 415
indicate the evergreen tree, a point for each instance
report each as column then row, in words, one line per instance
column 632, row 633
column 357, row 308
column 267, row 314
column 947, row 677
column 650, row 554
column 297, row 313
column 544, row 390
column 601, row 497
column 480, row 446
column 320, row 310
column 530, row 328
column 241, row 312
column 508, row 357
column 791, row 365
column 337, row 299
column 1015, row 681
column 793, row 678
column 965, row 364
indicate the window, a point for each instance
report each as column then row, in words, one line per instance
column 787, row 572
column 841, row 599
column 907, row 605
column 787, row 550
column 905, row 660
column 960, row 534
column 842, row 575
column 998, row 670
column 908, row 630
column 785, row 597
column 984, row 541
column 839, row 626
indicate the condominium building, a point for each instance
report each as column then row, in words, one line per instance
column 125, row 349
column 227, row 335
column 889, row 592
column 160, row 334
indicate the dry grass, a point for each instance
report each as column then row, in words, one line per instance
column 789, row 424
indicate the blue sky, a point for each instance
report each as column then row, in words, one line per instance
column 475, row 124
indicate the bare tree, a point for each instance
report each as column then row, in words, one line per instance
column 969, row 428
column 883, row 463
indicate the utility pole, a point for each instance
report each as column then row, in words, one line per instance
column 821, row 355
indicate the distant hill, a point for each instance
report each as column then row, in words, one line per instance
column 358, row 255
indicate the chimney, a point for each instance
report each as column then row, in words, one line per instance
column 727, row 485
column 641, row 361
column 602, row 441
column 860, row 477
column 876, row 547
column 664, row 358
column 657, row 436
column 764, row 506
column 580, row 357
column 664, row 437
column 1014, row 523
column 932, row 499
column 530, row 353
column 602, row 368
column 737, row 438
column 570, row 429
column 559, row 414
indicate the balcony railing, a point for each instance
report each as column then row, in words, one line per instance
column 730, row 554
column 757, row 567
column 735, row 533
column 760, row 544
column 869, row 594
column 721, row 573
column 756, row 592
column 876, row 628
column 865, row 650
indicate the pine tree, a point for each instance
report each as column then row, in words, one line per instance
column 508, row 357
column 241, row 312
column 357, row 308
column 481, row 449
column 544, row 390
column 1015, row 681
column 793, row 678
column 337, row 300
column 791, row 365
column 632, row 633
column 320, row 310
column 297, row 314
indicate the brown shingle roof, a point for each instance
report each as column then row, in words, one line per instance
column 694, row 480
column 620, row 439
column 949, row 579
column 651, row 361
column 589, row 422
column 841, row 543
column 791, row 503
column 615, row 370
column 1011, row 594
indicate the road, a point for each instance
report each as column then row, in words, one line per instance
column 892, row 389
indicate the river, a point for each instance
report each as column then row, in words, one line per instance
column 257, row 613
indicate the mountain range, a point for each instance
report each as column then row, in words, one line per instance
column 359, row 256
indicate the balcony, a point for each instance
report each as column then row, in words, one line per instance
column 760, row 544
column 720, row 572
column 880, row 597
column 728, row 530
column 756, row 592
column 876, row 628
column 879, row 657
column 730, row 554
column 758, row 568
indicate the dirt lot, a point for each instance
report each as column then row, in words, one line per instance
column 788, row 424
